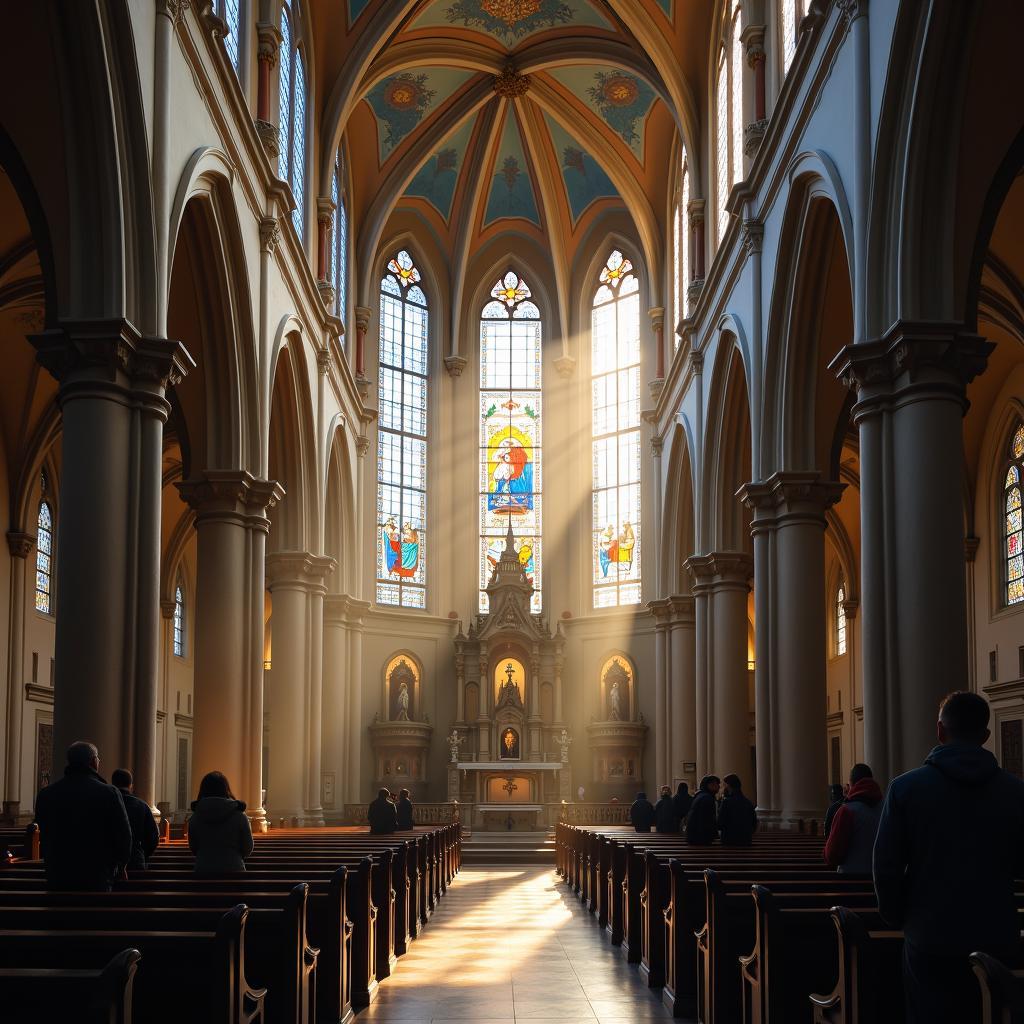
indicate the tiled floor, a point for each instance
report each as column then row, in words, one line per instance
column 509, row 944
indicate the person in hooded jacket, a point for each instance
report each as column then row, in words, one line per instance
column 404, row 811
column 683, row 801
column 84, row 832
column 382, row 814
column 737, row 820
column 836, row 796
column 950, row 844
column 145, row 834
column 851, row 838
column 665, row 817
column 641, row 813
column 219, row 834
column 701, row 822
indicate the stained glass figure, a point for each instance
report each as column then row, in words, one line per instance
column 402, row 438
column 841, row 621
column 510, row 430
column 179, row 622
column 44, row 556
column 1014, row 553
column 615, row 393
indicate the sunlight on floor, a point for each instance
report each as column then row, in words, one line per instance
column 509, row 944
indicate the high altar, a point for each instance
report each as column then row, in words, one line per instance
column 509, row 748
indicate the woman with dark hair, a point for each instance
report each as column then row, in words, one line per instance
column 218, row 832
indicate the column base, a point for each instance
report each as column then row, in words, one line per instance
column 9, row 812
column 257, row 819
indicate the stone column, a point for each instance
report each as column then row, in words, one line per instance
column 294, row 685
column 695, row 213
column 911, row 396
column 356, row 725
column 657, row 316
column 324, row 222
column 113, row 384
column 790, row 641
column 20, row 546
column 753, row 133
column 721, row 586
column 660, row 611
column 335, row 698
column 231, row 536
column 363, row 314
column 682, row 685
column 269, row 37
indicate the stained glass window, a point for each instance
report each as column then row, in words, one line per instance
column 681, row 251
column 729, row 117
column 722, row 142
column 178, row 644
column 291, row 163
column 841, row 621
column 402, row 437
column 511, row 339
column 1014, row 556
column 229, row 12
column 44, row 554
column 615, row 374
column 339, row 249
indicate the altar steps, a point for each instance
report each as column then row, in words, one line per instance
column 503, row 848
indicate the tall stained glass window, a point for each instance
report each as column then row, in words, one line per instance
column 722, row 142
column 729, row 116
column 510, row 430
column 681, row 250
column 339, row 247
column 615, row 371
column 1014, row 558
column 402, row 437
column 736, row 100
column 44, row 553
column 841, row 620
column 178, row 643
column 291, row 160
column 229, row 11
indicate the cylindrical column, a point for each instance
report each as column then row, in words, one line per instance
column 356, row 727
column 732, row 728
column 682, row 688
column 20, row 546
column 335, row 701
column 324, row 220
column 657, row 316
column 661, row 724
column 362, row 325
column 702, row 653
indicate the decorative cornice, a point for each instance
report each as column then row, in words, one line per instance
column 20, row 544
column 183, row 721
column 270, row 235
column 510, row 84
column 455, row 365
column 39, row 693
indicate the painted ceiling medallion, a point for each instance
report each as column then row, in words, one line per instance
column 404, row 93
column 510, row 11
column 510, row 83
column 618, row 90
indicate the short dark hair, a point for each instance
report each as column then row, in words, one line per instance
column 835, row 792
column 642, row 795
column 81, row 753
column 965, row 716
column 122, row 778
column 707, row 780
column 383, row 793
column 215, row 784
column 683, row 787
column 733, row 781
column 860, row 771
column 403, row 792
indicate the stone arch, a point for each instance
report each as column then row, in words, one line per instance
column 678, row 519
column 340, row 511
column 414, row 678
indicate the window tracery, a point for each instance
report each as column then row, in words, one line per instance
column 44, row 551
column 1013, row 558
column 178, row 642
column 841, row 621
column 615, row 390
column 292, row 143
column 402, row 436
column 511, row 339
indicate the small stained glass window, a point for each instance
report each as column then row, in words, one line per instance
column 841, row 621
column 179, row 622
column 1013, row 554
column 44, row 556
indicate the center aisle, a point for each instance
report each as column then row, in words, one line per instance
column 508, row 944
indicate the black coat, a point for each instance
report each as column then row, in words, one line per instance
column 683, row 802
column 641, row 814
column 405, row 822
column 950, row 843
column 830, row 814
column 700, row 822
column 737, row 820
column 145, row 834
column 382, row 816
column 83, row 831
column 665, row 817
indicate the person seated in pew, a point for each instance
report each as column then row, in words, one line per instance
column 852, row 837
column 665, row 817
column 950, row 844
column 84, row 833
column 404, row 811
column 737, row 820
column 219, row 833
column 145, row 834
column 683, row 801
column 701, row 822
column 641, row 813
column 836, row 795
column 382, row 814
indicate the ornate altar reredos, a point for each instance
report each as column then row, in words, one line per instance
column 509, row 747
column 400, row 742
column 617, row 738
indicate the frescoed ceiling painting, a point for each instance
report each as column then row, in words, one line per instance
column 585, row 179
column 437, row 178
column 510, row 21
column 511, row 193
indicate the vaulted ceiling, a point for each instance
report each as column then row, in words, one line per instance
column 530, row 117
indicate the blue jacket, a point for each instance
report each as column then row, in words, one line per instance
column 950, row 843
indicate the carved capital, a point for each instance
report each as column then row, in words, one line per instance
column 851, row 607
column 564, row 366
column 752, row 38
column 270, row 235
column 327, row 293
column 363, row 314
column 298, row 569
column 268, row 135
column 697, row 361
column 362, row 445
column 753, row 236
column 720, row 570
column 323, row 361
column 454, row 365
column 693, row 290
column 167, row 606
column 268, row 38
column 234, row 495
column 790, row 496
column 695, row 211
column 325, row 211
column 753, row 134
column 510, row 84
column 657, row 444
column 20, row 544
column 172, row 9
column 657, row 316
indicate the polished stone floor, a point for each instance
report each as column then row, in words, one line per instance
column 509, row 944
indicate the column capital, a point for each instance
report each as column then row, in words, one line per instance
column 454, row 365
column 299, row 568
column 790, row 495
column 325, row 210
column 342, row 610
column 850, row 607
column 752, row 38
column 657, row 315
column 695, row 210
column 167, row 606
column 363, row 314
column 720, row 570
column 231, row 494
column 20, row 544
column 268, row 37
column 922, row 357
column 682, row 608
column 696, row 361
column 661, row 609
column 753, row 236
column 323, row 361
column 172, row 9
column 270, row 235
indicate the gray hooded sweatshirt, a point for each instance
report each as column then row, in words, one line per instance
column 219, row 835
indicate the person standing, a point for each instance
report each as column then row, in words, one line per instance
column 84, row 834
column 665, row 817
column 950, row 844
column 641, row 813
column 737, row 820
column 219, row 833
column 852, row 836
column 683, row 801
column 145, row 834
column 701, row 822
column 382, row 814
column 836, row 795
column 404, row 812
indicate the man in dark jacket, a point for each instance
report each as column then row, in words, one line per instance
column 665, row 817
column 405, row 822
column 852, row 836
column 641, row 813
column 701, row 823
column 737, row 820
column 836, row 795
column 683, row 801
column 83, row 828
column 145, row 834
column 382, row 815
column 950, row 844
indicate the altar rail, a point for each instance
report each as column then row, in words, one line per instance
column 595, row 813
column 422, row 814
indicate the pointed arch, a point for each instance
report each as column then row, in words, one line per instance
column 678, row 522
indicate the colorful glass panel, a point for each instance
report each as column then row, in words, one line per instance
column 402, row 438
column 44, row 557
column 179, row 623
column 841, row 622
column 511, row 465
column 615, row 446
column 1014, row 537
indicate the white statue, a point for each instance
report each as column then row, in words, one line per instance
column 563, row 742
column 454, row 741
column 614, row 702
column 403, row 702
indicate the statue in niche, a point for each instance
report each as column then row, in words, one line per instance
column 399, row 694
column 563, row 744
column 403, row 701
column 616, row 681
column 454, row 740
column 510, row 744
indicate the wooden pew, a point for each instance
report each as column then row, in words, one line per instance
column 1002, row 990
column 23, row 843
